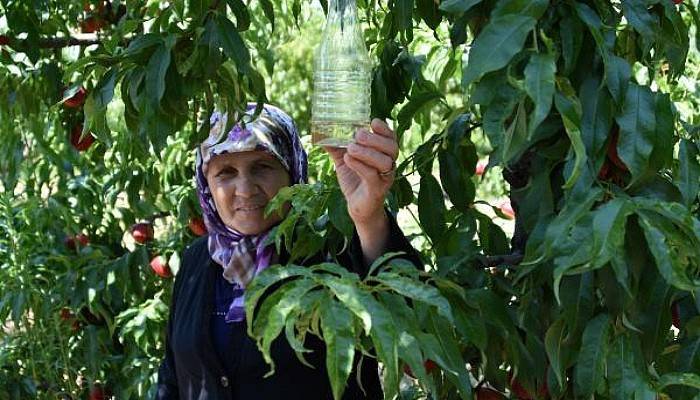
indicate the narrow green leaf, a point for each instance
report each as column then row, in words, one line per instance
column 456, row 180
column 458, row 6
column 418, row 291
column 637, row 13
column 431, row 207
column 637, row 123
column 668, row 265
column 680, row 378
column 273, row 313
column 452, row 362
column 554, row 345
column 104, row 91
column 539, row 85
column 621, row 372
column 688, row 180
column 338, row 213
column 589, row 370
column 596, row 118
column 496, row 45
column 617, row 76
column 569, row 108
column 240, row 10
column 155, row 75
column 269, row 12
column 609, row 229
column 262, row 282
column 531, row 8
column 232, row 43
column 339, row 336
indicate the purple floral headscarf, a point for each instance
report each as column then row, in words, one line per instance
column 244, row 256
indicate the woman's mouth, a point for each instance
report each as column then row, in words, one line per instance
column 250, row 208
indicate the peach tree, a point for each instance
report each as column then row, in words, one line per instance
column 588, row 108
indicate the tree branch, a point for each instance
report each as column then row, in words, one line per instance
column 54, row 43
column 495, row 261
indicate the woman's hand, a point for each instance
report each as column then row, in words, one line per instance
column 365, row 172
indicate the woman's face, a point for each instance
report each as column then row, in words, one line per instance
column 242, row 184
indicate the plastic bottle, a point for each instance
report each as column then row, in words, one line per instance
column 342, row 78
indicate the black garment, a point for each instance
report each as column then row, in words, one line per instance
column 192, row 369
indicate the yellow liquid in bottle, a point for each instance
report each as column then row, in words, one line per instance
column 335, row 134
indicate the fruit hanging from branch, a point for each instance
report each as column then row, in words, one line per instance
column 197, row 226
column 72, row 242
column 160, row 266
column 142, row 232
column 80, row 143
column 76, row 100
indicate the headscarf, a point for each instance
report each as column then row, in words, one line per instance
column 244, row 256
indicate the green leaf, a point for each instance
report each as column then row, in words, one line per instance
column 496, row 45
column 570, row 109
column 578, row 301
column 609, row 229
column 339, row 336
column 155, row 75
column 263, row 281
column 577, row 206
column 493, row 310
column 269, row 12
column 378, row 321
column 637, row 123
column 467, row 319
column 338, row 213
column 104, row 91
column 458, row 6
column 596, row 118
column 589, row 369
column 667, row 263
column 272, row 315
column 140, row 43
column 457, row 180
column 353, row 298
column 539, row 85
column 554, row 342
column 431, row 207
column 382, row 260
column 451, row 360
column 531, row 8
column 233, row 45
column 241, row 12
column 617, row 77
column 622, row 375
column 422, row 97
column 418, row 291
column 595, row 26
column 688, row 181
column 638, row 15
column 403, row 14
column 680, row 378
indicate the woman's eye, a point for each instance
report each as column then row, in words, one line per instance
column 226, row 172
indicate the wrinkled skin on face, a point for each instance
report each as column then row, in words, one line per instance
column 242, row 184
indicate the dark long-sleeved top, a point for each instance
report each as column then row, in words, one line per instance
column 194, row 368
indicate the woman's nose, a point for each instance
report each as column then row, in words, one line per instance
column 246, row 186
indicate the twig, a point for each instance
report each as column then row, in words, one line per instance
column 54, row 43
column 495, row 261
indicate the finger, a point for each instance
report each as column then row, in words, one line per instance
column 381, row 128
column 336, row 154
column 373, row 158
column 384, row 144
column 364, row 171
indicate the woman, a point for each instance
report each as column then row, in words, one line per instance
column 208, row 353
